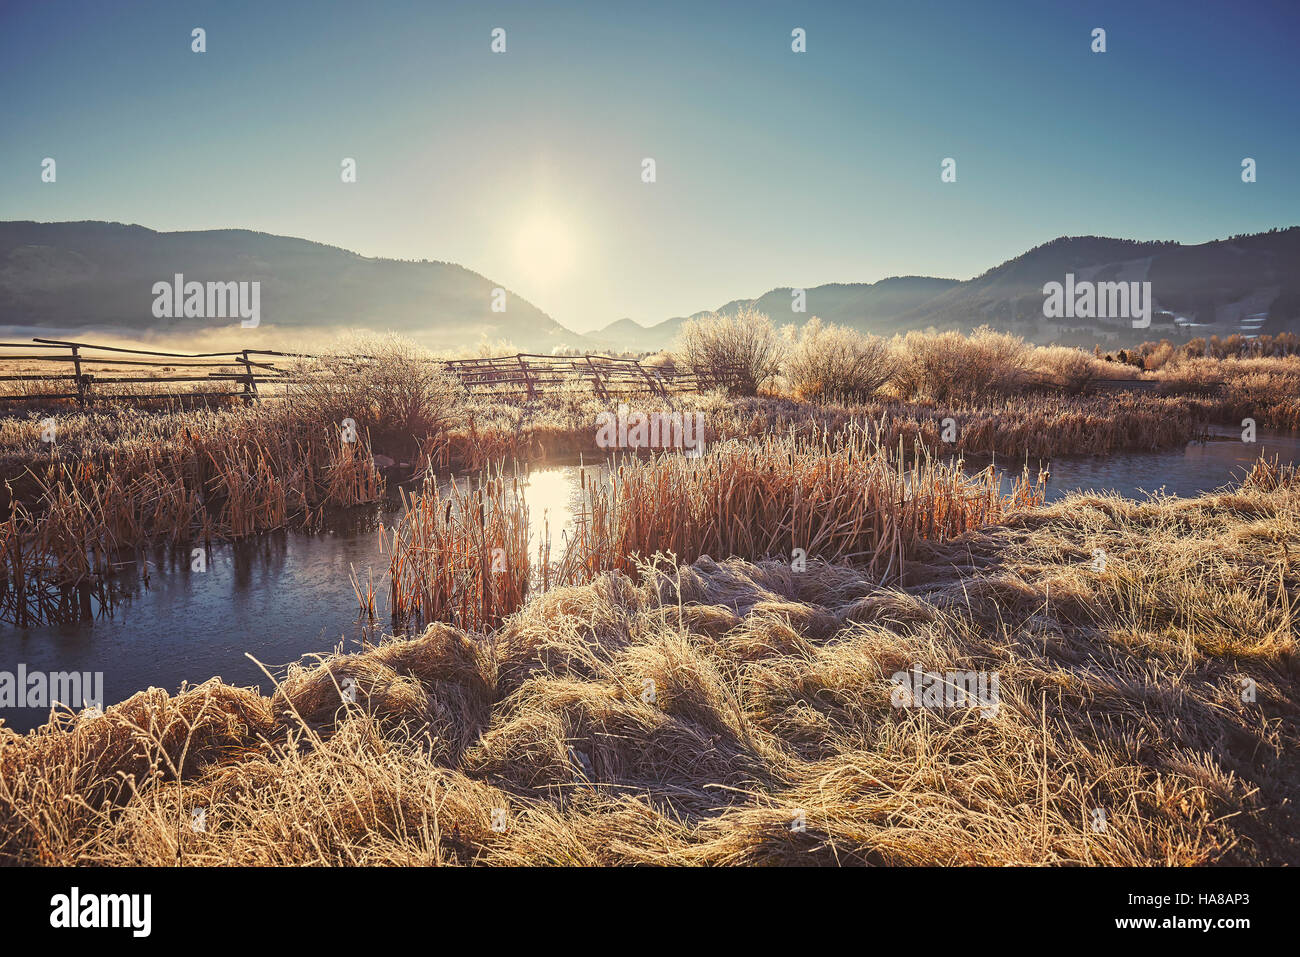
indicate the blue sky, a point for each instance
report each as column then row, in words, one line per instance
column 773, row 168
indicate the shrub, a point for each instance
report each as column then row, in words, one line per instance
column 1071, row 369
column 829, row 361
column 1159, row 357
column 743, row 351
column 388, row 385
column 948, row 365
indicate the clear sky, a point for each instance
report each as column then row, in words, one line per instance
column 774, row 168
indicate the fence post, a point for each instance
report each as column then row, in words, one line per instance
column 250, row 384
column 654, row 386
column 528, row 379
column 595, row 376
column 81, row 383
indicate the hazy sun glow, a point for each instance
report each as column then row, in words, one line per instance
column 545, row 248
column 549, row 494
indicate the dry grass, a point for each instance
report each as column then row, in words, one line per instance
column 464, row 557
column 619, row 706
column 1120, row 690
column 1038, row 425
column 118, row 479
column 224, row 475
column 1265, row 389
column 851, row 500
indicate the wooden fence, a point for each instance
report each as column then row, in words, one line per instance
column 90, row 373
column 525, row 375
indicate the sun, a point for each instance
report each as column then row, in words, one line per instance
column 545, row 248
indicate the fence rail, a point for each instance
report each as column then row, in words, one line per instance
column 251, row 375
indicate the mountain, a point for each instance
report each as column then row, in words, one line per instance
column 622, row 334
column 871, row 307
column 1244, row 284
column 97, row 277
column 628, row 335
column 864, row 306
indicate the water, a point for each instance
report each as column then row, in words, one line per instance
column 1200, row 467
column 280, row 597
column 287, row 594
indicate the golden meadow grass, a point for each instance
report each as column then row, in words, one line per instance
column 846, row 498
column 464, row 558
column 770, row 687
column 115, row 480
column 1120, row 690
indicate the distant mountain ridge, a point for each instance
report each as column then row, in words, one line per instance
column 864, row 305
column 99, row 276
column 1245, row 285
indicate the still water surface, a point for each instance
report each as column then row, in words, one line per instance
column 287, row 594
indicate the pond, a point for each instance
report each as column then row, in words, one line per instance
column 1187, row 472
column 288, row 594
